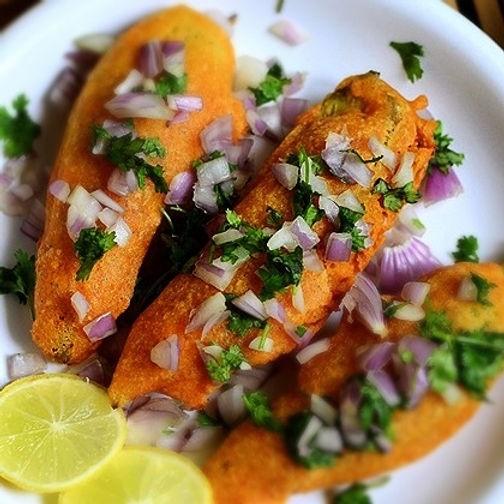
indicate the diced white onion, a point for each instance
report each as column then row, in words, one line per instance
column 200, row 315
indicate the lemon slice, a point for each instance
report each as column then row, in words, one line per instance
column 56, row 430
column 141, row 475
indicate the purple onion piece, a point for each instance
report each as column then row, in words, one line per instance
column 375, row 357
column 439, row 186
column 338, row 247
column 150, row 59
column 101, row 327
column 385, row 386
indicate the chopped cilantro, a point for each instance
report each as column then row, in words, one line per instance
column 240, row 322
column 303, row 205
column 272, row 85
column 274, row 217
column 483, row 287
column 467, row 249
column 20, row 279
column 129, row 153
column 220, row 369
column 348, row 219
column 410, row 54
column 374, row 411
column 442, row 369
column 91, row 246
column 314, row 456
column 300, row 331
column 354, row 494
column 19, row 131
column 478, row 355
column 279, row 6
column 444, row 157
column 390, row 309
column 257, row 405
column 394, row 199
column 168, row 84
column 281, row 270
column 205, row 420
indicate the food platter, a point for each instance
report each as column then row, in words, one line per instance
column 463, row 75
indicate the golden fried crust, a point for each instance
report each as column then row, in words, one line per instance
column 373, row 108
column 210, row 68
column 253, row 463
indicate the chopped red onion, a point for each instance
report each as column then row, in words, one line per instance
column 270, row 115
column 122, row 232
column 306, row 238
column 297, row 298
column 388, row 157
column 166, row 353
column 404, row 174
column 289, row 32
column 329, row 439
column 33, row 225
column 251, row 305
column 282, row 238
column 77, row 221
column 286, row 174
column 139, row 104
column 93, row 370
column 185, row 102
column 122, row 183
column 107, row 217
column 257, row 125
column 420, row 348
column 205, row 198
column 409, row 312
column 180, row 188
column 107, row 201
column 101, row 327
column 261, row 344
column 375, row 357
column 199, row 316
column 173, row 57
column 80, row 304
column 439, row 186
column 60, row 190
column 150, row 59
column 347, row 199
column 349, row 401
column 311, row 429
column 365, row 298
column 65, row 87
column 25, row 364
column 323, row 409
column 218, row 131
column 293, row 331
column 218, row 273
column 330, row 207
column 213, row 172
column 231, row 405
column 296, row 84
column 203, row 438
column 312, row 262
column 338, row 247
column 412, row 381
column 404, row 263
column 250, row 72
column 230, row 235
column 385, row 386
column 313, row 349
column 467, row 290
column 132, row 81
column 214, row 320
column 415, row 292
column 274, row 309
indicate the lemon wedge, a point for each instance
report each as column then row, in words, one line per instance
column 55, row 431
column 143, row 475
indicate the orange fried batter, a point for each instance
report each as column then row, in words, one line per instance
column 361, row 107
column 252, row 465
column 209, row 64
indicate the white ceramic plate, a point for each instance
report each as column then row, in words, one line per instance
column 463, row 78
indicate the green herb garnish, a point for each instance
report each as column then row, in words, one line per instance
column 483, row 287
column 444, row 157
column 272, row 85
column 467, row 250
column 128, row 153
column 354, row 494
column 410, row 54
column 18, row 131
column 274, row 217
column 348, row 220
column 90, row 247
column 220, row 369
column 240, row 322
column 168, row 84
column 258, row 407
column 20, row 279
column 281, row 270
column 394, row 199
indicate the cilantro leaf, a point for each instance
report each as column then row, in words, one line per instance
column 20, row 279
column 354, row 494
column 279, row 6
column 442, row 369
column 168, row 84
column 394, row 199
column 444, row 157
column 18, row 131
column 274, row 218
column 483, row 287
column 272, row 85
column 257, row 405
column 374, row 411
column 410, row 54
column 240, row 322
column 467, row 249
column 90, row 247
column 205, row 420
column 314, row 456
column 348, row 219
column 302, row 202
column 129, row 153
column 220, row 369
column 280, row 270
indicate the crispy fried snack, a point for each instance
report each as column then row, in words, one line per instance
column 209, row 64
column 251, row 450
column 360, row 107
